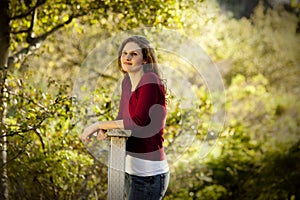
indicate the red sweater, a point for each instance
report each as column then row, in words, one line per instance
column 144, row 112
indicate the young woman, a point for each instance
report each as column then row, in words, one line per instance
column 142, row 110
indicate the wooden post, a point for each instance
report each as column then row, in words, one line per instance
column 116, row 163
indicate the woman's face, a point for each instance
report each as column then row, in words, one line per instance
column 132, row 58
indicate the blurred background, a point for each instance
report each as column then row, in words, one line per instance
column 254, row 44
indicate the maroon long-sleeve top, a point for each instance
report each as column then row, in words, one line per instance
column 144, row 112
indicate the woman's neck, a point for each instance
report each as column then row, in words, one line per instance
column 135, row 78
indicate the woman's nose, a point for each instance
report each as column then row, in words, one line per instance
column 128, row 57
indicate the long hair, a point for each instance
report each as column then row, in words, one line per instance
column 148, row 52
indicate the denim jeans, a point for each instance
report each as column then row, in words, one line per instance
column 146, row 188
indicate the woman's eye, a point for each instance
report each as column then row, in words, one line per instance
column 124, row 53
column 134, row 54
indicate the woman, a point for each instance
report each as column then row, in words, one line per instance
column 142, row 110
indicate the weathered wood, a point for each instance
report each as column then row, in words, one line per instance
column 116, row 163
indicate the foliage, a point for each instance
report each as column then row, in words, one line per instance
column 254, row 156
column 32, row 22
column 264, row 44
column 250, row 160
column 46, row 159
column 44, row 148
column 262, row 110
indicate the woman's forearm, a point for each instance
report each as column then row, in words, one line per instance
column 103, row 125
column 116, row 124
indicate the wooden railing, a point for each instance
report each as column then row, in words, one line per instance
column 116, row 163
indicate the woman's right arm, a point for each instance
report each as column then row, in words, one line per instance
column 101, row 127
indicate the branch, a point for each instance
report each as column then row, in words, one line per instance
column 99, row 74
column 34, row 43
column 26, row 129
column 11, row 93
column 41, row 139
column 20, row 31
column 30, row 29
column 174, row 139
column 42, row 37
column 15, row 156
column 25, row 14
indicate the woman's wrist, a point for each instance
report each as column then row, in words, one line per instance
column 100, row 125
column 118, row 124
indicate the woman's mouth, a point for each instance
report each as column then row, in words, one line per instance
column 127, row 63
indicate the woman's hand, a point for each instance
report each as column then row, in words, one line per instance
column 87, row 132
column 101, row 134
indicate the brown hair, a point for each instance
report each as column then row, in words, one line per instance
column 147, row 50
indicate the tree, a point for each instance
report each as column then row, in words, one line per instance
column 25, row 25
column 261, row 131
column 4, row 45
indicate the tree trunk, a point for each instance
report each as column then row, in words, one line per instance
column 4, row 49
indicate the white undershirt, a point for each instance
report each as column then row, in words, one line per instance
column 140, row 167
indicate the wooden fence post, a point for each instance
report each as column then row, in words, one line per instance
column 116, row 163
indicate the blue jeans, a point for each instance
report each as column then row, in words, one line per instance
column 146, row 188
